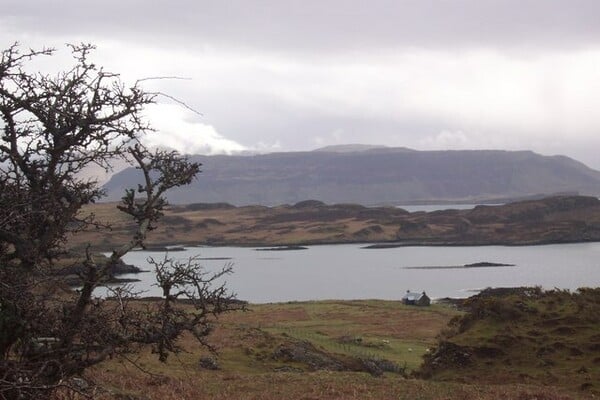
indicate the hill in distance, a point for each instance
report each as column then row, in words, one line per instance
column 560, row 219
column 376, row 175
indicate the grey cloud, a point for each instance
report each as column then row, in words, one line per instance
column 278, row 98
column 313, row 25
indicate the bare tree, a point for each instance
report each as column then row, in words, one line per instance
column 53, row 127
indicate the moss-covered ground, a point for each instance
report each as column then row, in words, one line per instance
column 523, row 335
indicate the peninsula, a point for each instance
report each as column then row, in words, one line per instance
column 560, row 219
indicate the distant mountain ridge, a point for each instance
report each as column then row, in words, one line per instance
column 376, row 175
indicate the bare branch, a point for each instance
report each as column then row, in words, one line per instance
column 52, row 128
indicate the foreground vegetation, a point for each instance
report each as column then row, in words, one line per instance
column 523, row 335
column 55, row 127
column 361, row 350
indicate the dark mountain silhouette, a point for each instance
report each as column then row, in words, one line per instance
column 377, row 175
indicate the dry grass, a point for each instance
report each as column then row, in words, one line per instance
column 310, row 386
column 246, row 342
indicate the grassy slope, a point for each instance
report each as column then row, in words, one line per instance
column 247, row 342
column 525, row 336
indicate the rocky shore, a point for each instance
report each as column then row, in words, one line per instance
column 71, row 272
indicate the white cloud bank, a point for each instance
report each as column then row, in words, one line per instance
column 424, row 99
column 178, row 128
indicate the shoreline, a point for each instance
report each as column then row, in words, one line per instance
column 375, row 245
column 555, row 220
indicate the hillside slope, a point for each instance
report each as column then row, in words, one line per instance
column 523, row 335
column 376, row 176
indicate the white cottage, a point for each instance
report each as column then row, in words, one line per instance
column 416, row 299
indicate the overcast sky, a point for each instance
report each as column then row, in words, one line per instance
column 281, row 75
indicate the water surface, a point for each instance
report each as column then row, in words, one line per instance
column 351, row 272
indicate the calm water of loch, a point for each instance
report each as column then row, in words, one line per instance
column 352, row 272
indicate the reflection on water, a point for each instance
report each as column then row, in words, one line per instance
column 351, row 272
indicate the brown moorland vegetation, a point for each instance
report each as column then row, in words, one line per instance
column 310, row 350
column 550, row 220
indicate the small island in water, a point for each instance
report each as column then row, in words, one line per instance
column 482, row 264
